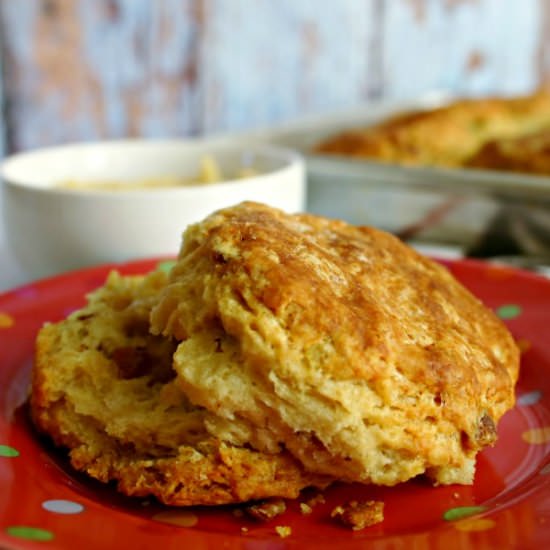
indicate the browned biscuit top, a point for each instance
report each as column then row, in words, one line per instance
column 379, row 348
column 444, row 136
column 529, row 154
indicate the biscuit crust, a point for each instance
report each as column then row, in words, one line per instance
column 103, row 388
column 528, row 154
column 447, row 136
column 282, row 351
column 365, row 360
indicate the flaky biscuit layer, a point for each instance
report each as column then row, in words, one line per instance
column 365, row 360
column 282, row 351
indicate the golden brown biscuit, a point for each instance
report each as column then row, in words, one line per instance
column 103, row 387
column 446, row 136
column 340, row 344
column 283, row 351
column 529, row 154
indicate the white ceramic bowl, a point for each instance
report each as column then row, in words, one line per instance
column 51, row 229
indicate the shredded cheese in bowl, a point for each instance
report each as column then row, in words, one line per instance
column 209, row 172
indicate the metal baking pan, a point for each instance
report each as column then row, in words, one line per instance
column 487, row 213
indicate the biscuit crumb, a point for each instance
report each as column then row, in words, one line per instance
column 283, row 531
column 306, row 509
column 359, row 515
column 317, row 499
column 264, row 511
column 456, row 495
column 244, row 530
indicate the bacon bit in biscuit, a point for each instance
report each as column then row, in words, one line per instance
column 283, row 531
column 306, row 509
column 359, row 515
column 486, row 432
column 264, row 511
column 132, row 362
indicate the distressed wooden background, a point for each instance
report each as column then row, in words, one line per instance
column 87, row 69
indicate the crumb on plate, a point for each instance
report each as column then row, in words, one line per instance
column 264, row 511
column 317, row 499
column 358, row 515
column 283, row 531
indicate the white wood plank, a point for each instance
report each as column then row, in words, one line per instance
column 88, row 69
column 467, row 48
column 280, row 59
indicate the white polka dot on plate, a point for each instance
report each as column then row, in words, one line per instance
column 62, row 506
column 530, row 398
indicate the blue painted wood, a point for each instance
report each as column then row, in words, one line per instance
column 91, row 69
column 283, row 59
column 468, row 48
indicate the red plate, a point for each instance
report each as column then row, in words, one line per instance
column 44, row 504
